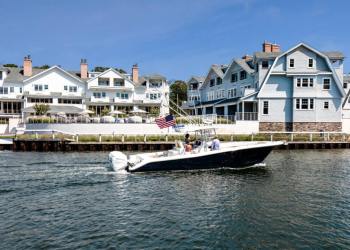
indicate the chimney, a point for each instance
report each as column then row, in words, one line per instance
column 275, row 48
column 267, row 46
column 83, row 69
column 27, row 66
column 135, row 73
column 247, row 57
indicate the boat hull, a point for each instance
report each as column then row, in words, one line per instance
column 228, row 159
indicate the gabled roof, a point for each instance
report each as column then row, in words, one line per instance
column 266, row 55
column 15, row 75
column 335, row 76
column 197, row 79
column 50, row 69
column 113, row 70
column 242, row 63
column 217, row 69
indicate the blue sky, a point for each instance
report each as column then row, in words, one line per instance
column 175, row 38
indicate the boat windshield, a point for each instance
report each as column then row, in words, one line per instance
column 205, row 134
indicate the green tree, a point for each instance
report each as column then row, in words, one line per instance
column 11, row 65
column 178, row 94
column 105, row 111
column 100, row 69
column 45, row 66
column 41, row 109
column 154, row 111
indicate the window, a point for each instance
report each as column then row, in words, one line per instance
column 326, row 83
column 311, row 63
column 265, row 64
column 234, row 77
column 212, row 82
column 103, row 81
column 265, row 107
column 218, row 80
column 3, row 91
column 298, row 82
column 38, row 87
column 326, row 105
column 12, row 89
column 304, row 103
column 103, row 94
column 99, row 94
column 291, row 63
column 305, row 82
column 0, row 75
column 345, row 85
column 118, row 83
column 70, row 101
column 20, row 90
column 123, row 95
column 40, row 100
column 65, row 88
column 73, row 89
column 242, row 75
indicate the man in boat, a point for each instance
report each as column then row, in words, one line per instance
column 215, row 144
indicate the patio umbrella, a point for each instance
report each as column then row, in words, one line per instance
column 138, row 111
column 86, row 112
column 61, row 113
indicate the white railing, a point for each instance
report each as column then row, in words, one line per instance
column 247, row 116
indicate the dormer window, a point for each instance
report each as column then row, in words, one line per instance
column 234, row 77
column 311, row 63
column 212, row 82
column 242, row 75
column 291, row 63
column 265, row 64
column 218, row 80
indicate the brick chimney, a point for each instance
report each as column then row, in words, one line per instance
column 267, row 47
column 83, row 69
column 27, row 66
column 247, row 57
column 135, row 73
column 275, row 48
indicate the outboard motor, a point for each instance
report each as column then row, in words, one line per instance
column 118, row 160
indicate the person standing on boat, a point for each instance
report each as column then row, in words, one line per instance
column 188, row 146
column 215, row 144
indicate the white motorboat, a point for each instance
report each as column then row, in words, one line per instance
column 230, row 155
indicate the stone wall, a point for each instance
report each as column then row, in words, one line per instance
column 275, row 126
column 317, row 126
column 301, row 126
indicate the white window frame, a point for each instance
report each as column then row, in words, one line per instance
column 299, row 102
column 330, row 83
column 289, row 61
column 263, row 107
column 301, row 79
column 324, row 105
column 313, row 63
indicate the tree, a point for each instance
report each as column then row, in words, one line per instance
column 45, row 66
column 154, row 111
column 178, row 94
column 11, row 65
column 100, row 69
column 41, row 109
column 105, row 111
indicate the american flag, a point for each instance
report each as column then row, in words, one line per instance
column 164, row 122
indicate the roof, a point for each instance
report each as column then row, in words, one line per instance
column 208, row 102
column 334, row 54
column 197, row 78
column 346, row 78
column 56, row 109
column 154, row 76
column 266, row 55
column 219, row 69
column 228, row 100
column 244, row 65
column 15, row 75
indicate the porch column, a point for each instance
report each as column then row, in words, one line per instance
column 226, row 110
column 243, row 111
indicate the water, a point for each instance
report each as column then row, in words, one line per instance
column 67, row 201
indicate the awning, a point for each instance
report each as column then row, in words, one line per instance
column 54, row 109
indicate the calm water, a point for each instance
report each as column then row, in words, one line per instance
column 68, row 201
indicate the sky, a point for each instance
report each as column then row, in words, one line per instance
column 177, row 39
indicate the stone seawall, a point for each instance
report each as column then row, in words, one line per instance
column 300, row 126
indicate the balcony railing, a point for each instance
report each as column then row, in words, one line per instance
column 247, row 116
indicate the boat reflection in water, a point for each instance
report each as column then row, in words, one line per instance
column 230, row 155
